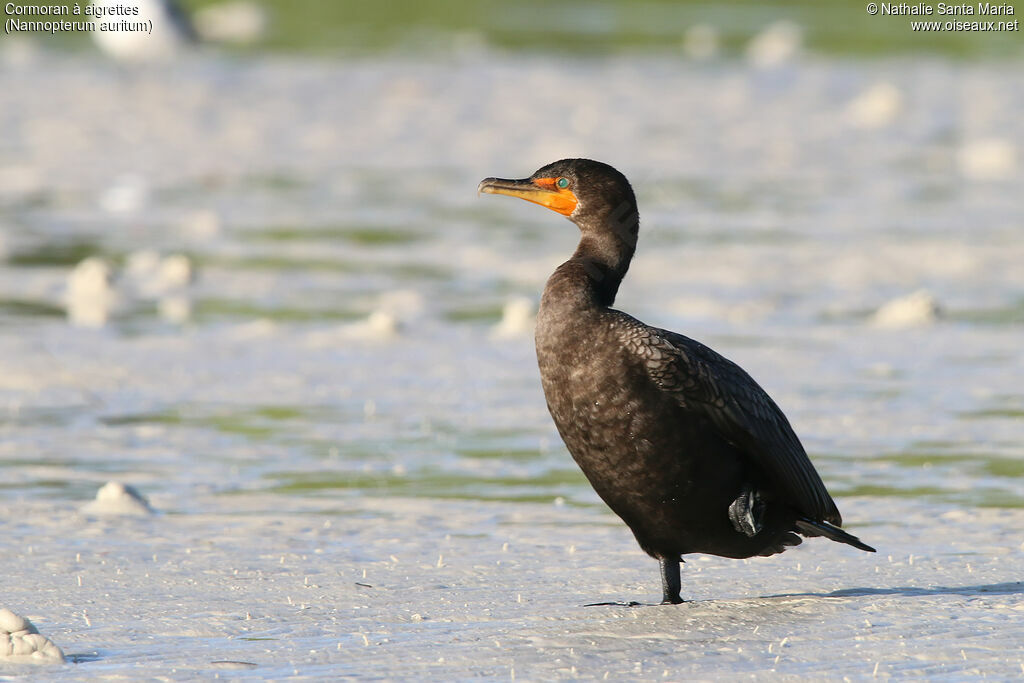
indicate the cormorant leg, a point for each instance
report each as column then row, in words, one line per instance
column 670, row 582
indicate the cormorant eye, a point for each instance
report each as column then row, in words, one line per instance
column 562, row 183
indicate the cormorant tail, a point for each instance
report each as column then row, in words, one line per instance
column 809, row 528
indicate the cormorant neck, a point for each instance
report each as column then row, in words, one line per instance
column 604, row 257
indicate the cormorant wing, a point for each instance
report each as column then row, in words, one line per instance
column 743, row 413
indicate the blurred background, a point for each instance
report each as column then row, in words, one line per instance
column 244, row 255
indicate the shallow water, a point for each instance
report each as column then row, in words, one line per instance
column 310, row 195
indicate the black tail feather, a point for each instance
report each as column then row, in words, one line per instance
column 809, row 528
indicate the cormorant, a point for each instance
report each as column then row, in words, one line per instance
column 680, row 442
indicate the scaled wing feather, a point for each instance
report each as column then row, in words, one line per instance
column 702, row 380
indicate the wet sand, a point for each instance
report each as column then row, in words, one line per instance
column 425, row 589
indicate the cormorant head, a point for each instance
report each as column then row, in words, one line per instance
column 593, row 195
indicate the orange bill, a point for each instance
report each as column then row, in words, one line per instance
column 541, row 191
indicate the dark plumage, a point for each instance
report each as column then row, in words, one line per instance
column 679, row 441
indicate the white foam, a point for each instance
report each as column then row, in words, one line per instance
column 152, row 275
column 20, row 181
column 700, row 41
column 378, row 326
column 127, row 194
column 175, row 308
column 875, row 107
column 254, row 329
column 987, row 159
column 914, row 310
column 117, row 499
column 142, row 265
column 18, row 51
column 170, row 34
column 401, row 302
column 202, row 224
column 90, row 296
column 517, row 319
column 165, row 279
column 21, row 642
column 776, row 44
column 238, row 22
column 175, row 272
